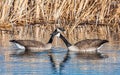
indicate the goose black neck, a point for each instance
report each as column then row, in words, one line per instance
column 51, row 39
column 65, row 41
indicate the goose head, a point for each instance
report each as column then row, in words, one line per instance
column 57, row 32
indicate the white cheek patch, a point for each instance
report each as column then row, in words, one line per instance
column 58, row 35
column 59, row 30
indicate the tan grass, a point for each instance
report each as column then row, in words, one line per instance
column 67, row 12
column 82, row 19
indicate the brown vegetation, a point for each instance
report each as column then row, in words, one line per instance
column 88, row 17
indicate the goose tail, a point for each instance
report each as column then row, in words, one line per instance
column 105, row 41
column 17, row 44
column 13, row 41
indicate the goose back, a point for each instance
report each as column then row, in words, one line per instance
column 90, row 44
column 29, row 43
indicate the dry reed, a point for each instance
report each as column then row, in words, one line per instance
column 72, row 12
column 67, row 13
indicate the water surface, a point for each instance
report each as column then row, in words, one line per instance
column 59, row 61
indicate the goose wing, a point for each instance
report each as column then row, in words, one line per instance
column 90, row 43
column 28, row 43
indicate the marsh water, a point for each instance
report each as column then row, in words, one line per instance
column 60, row 61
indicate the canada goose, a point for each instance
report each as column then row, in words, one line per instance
column 88, row 45
column 34, row 46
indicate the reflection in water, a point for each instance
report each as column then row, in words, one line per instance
column 65, row 60
column 60, row 61
column 26, row 54
column 90, row 56
column 52, row 61
column 58, row 66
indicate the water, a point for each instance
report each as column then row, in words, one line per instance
column 59, row 61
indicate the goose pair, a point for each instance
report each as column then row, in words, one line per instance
column 34, row 46
column 87, row 46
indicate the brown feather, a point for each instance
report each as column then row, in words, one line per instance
column 30, row 43
column 89, row 43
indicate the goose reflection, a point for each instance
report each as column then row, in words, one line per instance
column 65, row 60
column 51, row 58
column 14, row 54
column 92, row 56
column 58, row 66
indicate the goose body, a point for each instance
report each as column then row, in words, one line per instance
column 88, row 45
column 31, row 45
column 34, row 46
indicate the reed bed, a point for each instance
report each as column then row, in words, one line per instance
column 63, row 12
column 40, row 33
column 91, row 18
